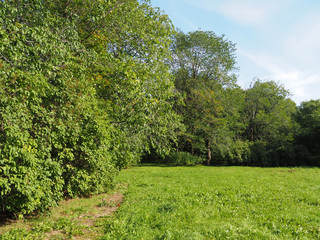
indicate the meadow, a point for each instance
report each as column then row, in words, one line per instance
column 217, row 203
column 161, row 202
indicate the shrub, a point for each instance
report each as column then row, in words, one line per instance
column 233, row 153
column 183, row 159
column 73, row 112
column 54, row 141
column 258, row 156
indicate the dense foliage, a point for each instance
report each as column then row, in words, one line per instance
column 84, row 92
column 308, row 135
column 183, row 159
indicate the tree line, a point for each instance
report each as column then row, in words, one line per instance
column 91, row 87
column 258, row 126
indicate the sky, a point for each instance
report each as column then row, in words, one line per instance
column 276, row 40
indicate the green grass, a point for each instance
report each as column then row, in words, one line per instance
column 80, row 218
column 188, row 203
column 217, row 203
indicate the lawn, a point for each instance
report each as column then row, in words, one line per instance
column 152, row 202
column 217, row 203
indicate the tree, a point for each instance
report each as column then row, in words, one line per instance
column 84, row 91
column 136, row 80
column 54, row 138
column 308, row 136
column 130, row 40
column 268, row 114
column 203, row 66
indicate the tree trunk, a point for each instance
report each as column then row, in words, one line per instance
column 192, row 148
column 208, row 153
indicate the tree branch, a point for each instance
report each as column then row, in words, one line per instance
column 4, row 58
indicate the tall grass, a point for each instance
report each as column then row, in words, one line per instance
column 218, row 203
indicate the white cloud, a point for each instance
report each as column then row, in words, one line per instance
column 286, row 32
column 248, row 12
column 189, row 23
column 303, row 84
column 291, row 55
column 303, row 42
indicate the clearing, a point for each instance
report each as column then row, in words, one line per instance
column 159, row 202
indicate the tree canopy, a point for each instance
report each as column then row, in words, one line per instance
column 204, row 65
column 84, row 92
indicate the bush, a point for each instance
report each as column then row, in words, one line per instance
column 54, row 139
column 259, row 155
column 233, row 153
column 183, row 159
column 71, row 110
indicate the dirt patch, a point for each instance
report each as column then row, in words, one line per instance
column 92, row 221
column 106, row 207
column 54, row 235
column 5, row 220
column 72, row 219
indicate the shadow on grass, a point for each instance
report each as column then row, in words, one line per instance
column 7, row 219
column 161, row 165
column 218, row 166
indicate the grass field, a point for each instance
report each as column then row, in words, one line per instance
column 217, row 203
column 188, row 203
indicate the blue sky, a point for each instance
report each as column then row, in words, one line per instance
column 276, row 39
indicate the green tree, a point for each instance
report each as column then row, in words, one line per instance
column 308, row 117
column 268, row 115
column 203, row 65
column 268, row 112
column 136, row 80
column 84, row 91
column 54, row 139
